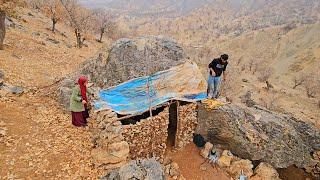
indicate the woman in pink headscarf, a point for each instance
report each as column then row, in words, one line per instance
column 79, row 102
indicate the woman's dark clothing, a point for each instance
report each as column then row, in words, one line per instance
column 78, row 119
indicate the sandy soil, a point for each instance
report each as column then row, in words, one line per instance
column 189, row 161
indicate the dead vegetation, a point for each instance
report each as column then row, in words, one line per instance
column 312, row 86
column 298, row 80
column 79, row 19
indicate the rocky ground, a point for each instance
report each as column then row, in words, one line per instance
column 38, row 141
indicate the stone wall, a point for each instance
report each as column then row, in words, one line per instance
column 148, row 137
column 187, row 123
column 110, row 150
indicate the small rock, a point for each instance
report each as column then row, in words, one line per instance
column 174, row 170
column 17, row 90
column 167, row 161
column 1, row 83
column 54, row 41
column 16, row 56
column 203, row 168
column 206, row 150
column 142, row 169
column 238, row 166
column 265, row 171
column 3, row 132
column 119, row 149
column 1, row 74
column 9, row 22
column 113, row 175
column 225, row 159
column 36, row 34
column 181, row 178
column 245, row 80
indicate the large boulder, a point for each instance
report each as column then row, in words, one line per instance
column 132, row 58
column 258, row 134
column 127, row 59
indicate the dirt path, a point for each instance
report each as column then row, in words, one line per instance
column 189, row 161
column 40, row 142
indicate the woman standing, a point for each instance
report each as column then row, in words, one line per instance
column 79, row 102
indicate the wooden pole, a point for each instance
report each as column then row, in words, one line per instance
column 148, row 80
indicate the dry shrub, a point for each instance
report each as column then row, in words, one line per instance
column 312, row 86
column 298, row 80
column 270, row 101
column 264, row 74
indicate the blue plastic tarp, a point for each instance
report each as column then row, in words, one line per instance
column 183, row 82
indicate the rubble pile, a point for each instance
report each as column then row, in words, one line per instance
column 237, row 167
column 172, row 169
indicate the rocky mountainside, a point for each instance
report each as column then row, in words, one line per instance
column 219, row 18
column 164, row 8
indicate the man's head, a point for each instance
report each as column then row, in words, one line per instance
column 224, row 57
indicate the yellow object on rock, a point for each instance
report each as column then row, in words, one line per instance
column 212, row 103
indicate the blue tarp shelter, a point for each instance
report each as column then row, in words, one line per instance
column 184, row 82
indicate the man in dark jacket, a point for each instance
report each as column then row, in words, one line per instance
column 216, row 68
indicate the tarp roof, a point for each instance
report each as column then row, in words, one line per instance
column 184, row 82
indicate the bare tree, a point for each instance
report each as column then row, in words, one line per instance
column 53, row 9
column 104, row 23
column 312, row 86
column 298, row 80
column 79, row 19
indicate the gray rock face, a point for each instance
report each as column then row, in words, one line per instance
column 64, row 94
column 143, row 169
column 257, row 134
column 128, row 59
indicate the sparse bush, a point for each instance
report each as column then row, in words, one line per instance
column 264, row 74
column 312, row 86
column 298, row 80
